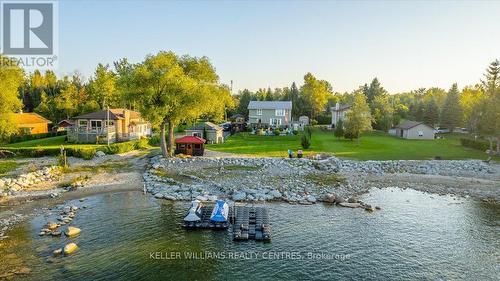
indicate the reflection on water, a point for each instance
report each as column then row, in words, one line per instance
column 414, row 236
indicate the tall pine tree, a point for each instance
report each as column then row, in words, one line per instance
column 451, row 114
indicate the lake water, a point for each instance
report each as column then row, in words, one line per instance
column 414, row 236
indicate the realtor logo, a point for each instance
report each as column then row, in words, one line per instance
column 29, row 32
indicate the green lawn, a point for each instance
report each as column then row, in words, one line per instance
column 372, row 146
column 53, row 142
column 7, row 166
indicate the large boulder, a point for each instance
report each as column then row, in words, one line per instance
column 51, row 225
column 329, row 198
column 70, row 248
column 311, row 198
column 159, row 196
column 339, row 200
column 352, row 200
column 275, row 193
column 100, row 153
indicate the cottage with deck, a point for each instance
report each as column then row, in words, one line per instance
column 31, row 123
column 211, row 132
column 270, row 113
column 414, row 130
column 339, row 112
column 108, row 126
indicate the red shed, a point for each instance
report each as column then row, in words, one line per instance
column 190, row 145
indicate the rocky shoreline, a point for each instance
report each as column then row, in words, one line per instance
column 302, row 181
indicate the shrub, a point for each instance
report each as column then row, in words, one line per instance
column 339, row 129
column 476, row 144
column 154, row 140
column 308, row 131
column 143, row 143
column 305, row 142
column 86, row 153
column 295, row 132
column 350, row 136
column 277, row 132
column 314, row 122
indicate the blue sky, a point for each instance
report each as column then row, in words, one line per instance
column 406, row 44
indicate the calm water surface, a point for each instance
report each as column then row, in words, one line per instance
column 415, row 236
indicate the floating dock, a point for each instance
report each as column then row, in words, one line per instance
column 247, row 222
column 251, row 223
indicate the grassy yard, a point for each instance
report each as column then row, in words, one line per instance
column 7, row 166
column 372, row 146
column 53, row 142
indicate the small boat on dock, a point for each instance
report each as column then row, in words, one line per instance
column 194, row 215
column 220, row 213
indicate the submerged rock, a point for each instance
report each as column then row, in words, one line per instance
column 349, row 205
column 72, row 231
column 70, row 248
column 57, row 252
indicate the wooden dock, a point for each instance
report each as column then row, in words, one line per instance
column 248, row 222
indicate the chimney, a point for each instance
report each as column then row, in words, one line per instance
column 126, row 117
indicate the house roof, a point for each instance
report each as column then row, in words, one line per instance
column 270, row 105
column 30, row 118
column 342, row 107
column 410, row 124
column 69, row 122
column 114, row 114
column 190, row 139
column 205, row 125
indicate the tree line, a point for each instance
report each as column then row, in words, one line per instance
column 166, row 88
column 473, row 107
column 169, row 89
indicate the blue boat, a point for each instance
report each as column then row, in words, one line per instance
column 220, row 211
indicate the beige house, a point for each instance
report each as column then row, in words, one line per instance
column 113, row 125
column 339, row 112
column 414, row 130
column 211, row 132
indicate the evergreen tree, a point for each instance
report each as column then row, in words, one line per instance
column 451, row 113
column 431, row 113
column 492, row 77
column 339, row 129
column 373, row 91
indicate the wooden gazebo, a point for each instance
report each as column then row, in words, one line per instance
column 190, row 145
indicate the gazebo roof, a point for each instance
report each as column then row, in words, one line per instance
column 190, row 139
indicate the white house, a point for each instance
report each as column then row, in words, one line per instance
column 339, row 112
column 270, row 113
column 414, row 130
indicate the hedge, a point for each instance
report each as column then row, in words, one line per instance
column 476, row 144
column 22, row 138
column 85, row 152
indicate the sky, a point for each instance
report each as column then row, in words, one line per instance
column 258, row 44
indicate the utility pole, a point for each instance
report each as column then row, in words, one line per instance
column 107, row 124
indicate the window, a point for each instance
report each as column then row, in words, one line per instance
column 259, row 111
column 95, row 124
column 82, row 123
column 197, row 135
column 420, row 133
column 280, row 112
column 275, row 122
